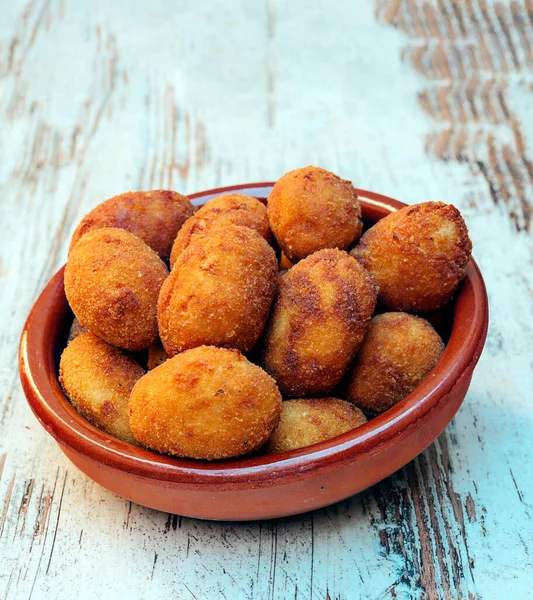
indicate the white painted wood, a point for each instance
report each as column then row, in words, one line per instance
column 101, row 97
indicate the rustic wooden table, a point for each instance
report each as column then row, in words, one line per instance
column 417, row 99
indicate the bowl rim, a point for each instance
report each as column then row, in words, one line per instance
column 56, row 414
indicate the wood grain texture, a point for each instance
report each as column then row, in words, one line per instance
column 417, row 99
column 473, row 53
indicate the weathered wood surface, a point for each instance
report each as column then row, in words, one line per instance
column 417, row 99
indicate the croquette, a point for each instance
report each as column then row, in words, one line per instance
column 76, row 329
column 291, row 283
column 230, row 209
column 98, row 379
column 309, row 421
column 311, row 209
column 219, row 291
column 206, row 403
column 157, row 355
column 112, row 283
column 417, row 255
column 398, row 352
column 284, row 263
column 156, row 217
column 317, row 323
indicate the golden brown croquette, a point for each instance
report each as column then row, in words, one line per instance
column 155, row 216
column 157, row 355
column 112, row 283
column 76, row 329
column 219, row 291
column 317, row 323
column 205, row 403
column 310, row 209
column 98, row 379
column 309, row 421
column 398, row 352
column 417, row 255
column 230, row 209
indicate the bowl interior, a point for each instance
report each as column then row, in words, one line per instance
column 462, row 324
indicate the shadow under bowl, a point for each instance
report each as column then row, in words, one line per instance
column 265, row 486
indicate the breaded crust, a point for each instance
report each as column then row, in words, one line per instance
column 206, row 403
column 155, row 216
column 317, row 323
column 219, row 291
column 418, row 256
column 310, row 209
column 230, row 209
column 112, row 283
column 309, row 421
column 398, row 353
column 98, row 379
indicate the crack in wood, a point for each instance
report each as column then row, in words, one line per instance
column 422, row 521
column 2, row 464
column 23, row 508
column 57, row 523
column 7, row 502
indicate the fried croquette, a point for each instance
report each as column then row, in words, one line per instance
column 112, row 283
column 284, row 263
column 157, row 355
column 205, row 403
column 310, row 209
column 309, row 421
column 76, row 329
column 418, row 256
column 219, row 291
column 398, row 352
column 318, row 321
column 98, row 379
column 156, row 217
column 236, row 209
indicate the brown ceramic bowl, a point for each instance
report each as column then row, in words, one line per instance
column 259, row 487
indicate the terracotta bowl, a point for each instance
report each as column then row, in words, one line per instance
column 259, row 487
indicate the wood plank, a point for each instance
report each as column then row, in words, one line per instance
column 417, row 99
